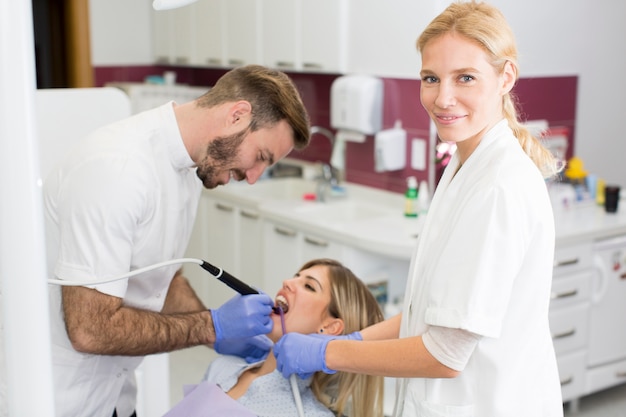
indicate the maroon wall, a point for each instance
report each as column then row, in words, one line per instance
column 549, row 98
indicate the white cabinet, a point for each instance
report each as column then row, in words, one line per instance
column 290, row 35
column 221, row 218
column 606, row 355
column 250, row 247
column 209, row 33
column 174, row 35
column 282, row 254
column 279, row 33
column 569, row 315
column 228, row 236
column 383, row 35
column 210, row 43
column 162, row 43
column 304, row 35
column 324, row 35
column 287, row 248
column 242, row 32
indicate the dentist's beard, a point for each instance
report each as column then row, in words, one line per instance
column 221, row 154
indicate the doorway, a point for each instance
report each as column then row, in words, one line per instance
column 62, row 43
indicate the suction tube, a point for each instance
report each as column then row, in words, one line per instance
column 292, row 377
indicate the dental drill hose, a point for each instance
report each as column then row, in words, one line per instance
column 237, row 285
column 234, row 283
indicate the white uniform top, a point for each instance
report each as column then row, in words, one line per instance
column 484, row 264
column 126, row 197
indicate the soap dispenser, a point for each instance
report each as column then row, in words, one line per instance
column 410, row 198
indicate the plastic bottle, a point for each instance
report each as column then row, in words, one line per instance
column 600, row 185
column 423, row 198
column 410, row 200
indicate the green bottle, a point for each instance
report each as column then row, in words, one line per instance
column 410, row 200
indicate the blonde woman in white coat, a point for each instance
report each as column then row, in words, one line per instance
column 473, row 338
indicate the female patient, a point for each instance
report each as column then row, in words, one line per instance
column 323, row 297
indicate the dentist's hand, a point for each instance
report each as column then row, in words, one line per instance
column 242, row 317
column 252, row 349
column 305, row 354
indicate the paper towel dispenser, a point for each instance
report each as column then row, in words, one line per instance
column 356, row 104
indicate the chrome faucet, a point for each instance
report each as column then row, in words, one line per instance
column 330, row 175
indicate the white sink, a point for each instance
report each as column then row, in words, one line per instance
column 369, row 218
column 283, row 188
column 339, row 212
column 267, row 190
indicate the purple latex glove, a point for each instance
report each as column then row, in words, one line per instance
column 242, row 317
column 252, row 349
column 305, row 354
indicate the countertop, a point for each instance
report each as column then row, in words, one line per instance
column 388, row 232
column 587, row 221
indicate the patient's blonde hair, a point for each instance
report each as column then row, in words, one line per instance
column 348, row 393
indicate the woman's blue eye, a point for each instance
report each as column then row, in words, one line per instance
column 429, row 79
column 466, row 78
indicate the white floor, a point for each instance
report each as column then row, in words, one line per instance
column 608, row 403
column 188, row 366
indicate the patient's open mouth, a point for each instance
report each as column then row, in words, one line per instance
column 281, row 303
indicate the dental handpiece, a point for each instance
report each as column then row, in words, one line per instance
column 237, row 285
column 234, row 283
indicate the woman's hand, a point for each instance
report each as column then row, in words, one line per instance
column 305, row 354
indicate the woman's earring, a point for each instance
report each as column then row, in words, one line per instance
column 321, row 330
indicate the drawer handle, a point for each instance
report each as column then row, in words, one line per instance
column 567, row 294
column 249, row 214
column 566, row 262
column 214, row 61
column 316, row 242
column 312, row 65
column 620, row 374
column 567, row 381
column 236, row 62
column 223, row 207
column 564, row 334
column 285, row 232
column 285, row 64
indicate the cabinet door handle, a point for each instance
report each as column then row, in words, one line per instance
column 567, row 294
column 285, row 64
column 214, row 61
column 312, row 65
column 223, row 207
column 236, row 62
column 249, row 215
column 285, row 232
column 564, row 334
column 316, row 242
column 566, row 262
column 620, row 374
column 182, row 60
column 567, row 381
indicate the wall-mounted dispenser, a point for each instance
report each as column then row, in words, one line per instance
column 356, row 106
column 390, row 149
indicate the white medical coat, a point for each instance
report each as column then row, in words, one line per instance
column 484, row 264
column 125, row 198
